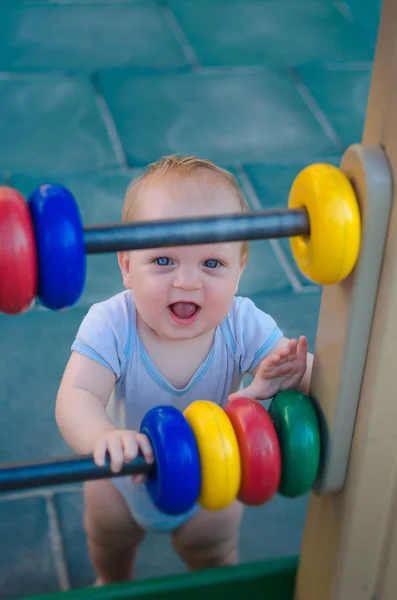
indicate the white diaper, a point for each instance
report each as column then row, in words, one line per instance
column 144, row 512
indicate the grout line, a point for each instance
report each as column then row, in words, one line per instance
column 288, row 270
column 57, row 545
column 275, row 245
column 241, row 70
column 311, row 288
column 107, row 170
column 349, row 66
column 316, row 110
column 235, row 70
column 33, row 74
column 179, row 35
column 110, row 125
column 249, row 69
column 343, row 9
column 31, row 3
column 45, row 494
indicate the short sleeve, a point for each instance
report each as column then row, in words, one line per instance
column 256, row 333
column 103, row 335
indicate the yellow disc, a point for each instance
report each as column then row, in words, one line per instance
column 219, row 454
column 330, row 253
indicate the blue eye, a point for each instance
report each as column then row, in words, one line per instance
column 163, row 261
column 212, row 263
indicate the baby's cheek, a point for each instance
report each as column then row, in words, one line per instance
column 219, row 303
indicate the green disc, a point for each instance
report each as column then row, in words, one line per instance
column 297, row 427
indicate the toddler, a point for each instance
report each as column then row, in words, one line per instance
column 177, row 334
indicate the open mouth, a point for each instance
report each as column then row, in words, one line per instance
column 184, row 312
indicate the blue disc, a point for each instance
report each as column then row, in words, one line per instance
column 175, row 486
column 60, row 246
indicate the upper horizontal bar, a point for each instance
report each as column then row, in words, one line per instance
column 204, row 230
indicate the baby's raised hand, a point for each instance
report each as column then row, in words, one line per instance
column 122, row 445
column 282, row 369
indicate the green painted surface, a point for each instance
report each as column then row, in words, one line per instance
column 273, row 579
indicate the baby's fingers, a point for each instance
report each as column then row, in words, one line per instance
column 130, row 452
column 275, row 360
column 145, row 447
column 130, row 445
column 116, row 452
column 270, row 362
column 302, row 346
column 292, row 344
column 99, row 452
column 282, row 369
column 288, row 350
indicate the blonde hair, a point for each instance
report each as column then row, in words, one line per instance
column 185, row 165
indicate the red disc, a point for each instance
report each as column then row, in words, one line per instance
column 259, row 451
column 18, row 260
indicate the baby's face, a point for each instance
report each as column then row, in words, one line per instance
column 183, row 292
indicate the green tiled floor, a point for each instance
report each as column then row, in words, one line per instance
column 39, row 37
column 35, row 348
column 90, row 92
column 23, row 525
column 365, row 14
column 99, row 194
column 333, row 88
column 226, row 117
column 52, row 124
column 259, row 32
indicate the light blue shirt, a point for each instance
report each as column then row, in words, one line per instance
column 108, row 335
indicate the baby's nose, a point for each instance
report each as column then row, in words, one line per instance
column 188, row 278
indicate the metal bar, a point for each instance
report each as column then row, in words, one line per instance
column 19, row 476
column 204, row 230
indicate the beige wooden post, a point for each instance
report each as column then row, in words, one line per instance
column 349, row 550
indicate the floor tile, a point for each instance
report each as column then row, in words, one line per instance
column 35, row 348
column 226, row 118
column 342, row 95
column 52, row 125
column 100, row 198
column 156, row 556
column 38, row 37
column 70, row 510
column 263, row 273
column 366, row 14
column 27, row 566
column 272, row 184
column 273, row 530
column 251, row 32
column 295, row 314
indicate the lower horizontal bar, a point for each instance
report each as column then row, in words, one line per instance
column 205, row 230
column 20, row 476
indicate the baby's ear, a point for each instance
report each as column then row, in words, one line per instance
column 242, row 267
column 124, row 264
